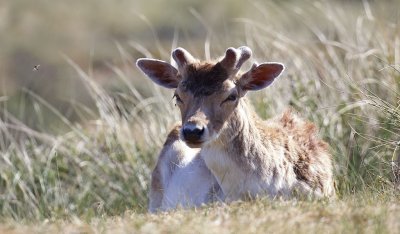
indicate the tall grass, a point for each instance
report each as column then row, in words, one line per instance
column 101, row 167
column 341, row 74
column 347, row 63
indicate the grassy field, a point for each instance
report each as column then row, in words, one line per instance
column 90, row 173
column 367, row 213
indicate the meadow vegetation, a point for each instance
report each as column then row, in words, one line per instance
column 89, row 171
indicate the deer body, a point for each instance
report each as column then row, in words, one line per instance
column 255, row 157
column 181, row 177
column 246, row 155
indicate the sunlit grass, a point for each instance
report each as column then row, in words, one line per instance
column 364, row 213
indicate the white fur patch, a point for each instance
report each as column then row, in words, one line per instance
column 188, row 186
column 187, row 181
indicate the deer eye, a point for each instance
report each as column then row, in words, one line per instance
column 177, row 98
column 231, row 98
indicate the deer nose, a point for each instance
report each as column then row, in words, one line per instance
column 192, row 132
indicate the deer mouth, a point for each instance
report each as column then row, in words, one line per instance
column 194, row 144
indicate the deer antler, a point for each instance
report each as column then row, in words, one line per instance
column 182, row 57
column 234, row 58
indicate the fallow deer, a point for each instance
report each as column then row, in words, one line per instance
column 247, row 156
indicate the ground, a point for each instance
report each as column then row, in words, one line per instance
column 366, row 213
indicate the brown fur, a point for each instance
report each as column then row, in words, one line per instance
column 305, row 133
column 173, row 135
column 204, row 79
column 297, row 137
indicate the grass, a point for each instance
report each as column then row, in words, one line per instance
column 354, row 214
column 342, row 73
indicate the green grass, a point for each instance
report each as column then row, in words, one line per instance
column 92, row 175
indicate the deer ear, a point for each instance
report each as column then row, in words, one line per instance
column 160, row 72
column 260, row 76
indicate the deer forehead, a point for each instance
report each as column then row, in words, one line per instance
column 205, row 79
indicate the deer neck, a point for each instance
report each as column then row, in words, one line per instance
column 234, row 157
column 240, row 129
column 239, row 138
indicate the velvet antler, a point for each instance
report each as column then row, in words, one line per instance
column 234, row 58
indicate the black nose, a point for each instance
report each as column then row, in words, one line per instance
column 193, row 134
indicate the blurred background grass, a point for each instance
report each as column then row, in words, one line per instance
column 80, row 135
column 90, row 33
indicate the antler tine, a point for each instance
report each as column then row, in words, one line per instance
column 230, row 59
column 182, row 57
column 245, row 54
column 234, row 58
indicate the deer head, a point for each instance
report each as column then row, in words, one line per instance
column 206, row 92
